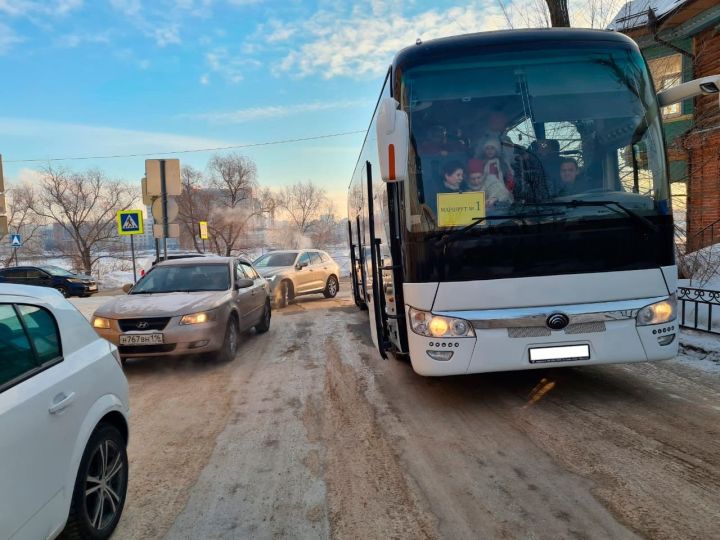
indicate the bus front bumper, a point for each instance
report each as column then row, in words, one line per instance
column 509, row 349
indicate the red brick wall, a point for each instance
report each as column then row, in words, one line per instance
column 703, row 144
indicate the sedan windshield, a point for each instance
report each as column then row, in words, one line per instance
column 184, row 278
column 276, row 259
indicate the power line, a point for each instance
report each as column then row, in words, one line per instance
column 190, row 151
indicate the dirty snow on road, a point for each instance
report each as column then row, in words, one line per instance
column 309, row 434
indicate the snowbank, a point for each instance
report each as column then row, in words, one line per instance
column 699, row 351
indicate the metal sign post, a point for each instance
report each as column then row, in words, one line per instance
column 15, row 243
column 130, row 223
column 163, row 194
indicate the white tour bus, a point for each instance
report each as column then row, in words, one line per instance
column 510, row 208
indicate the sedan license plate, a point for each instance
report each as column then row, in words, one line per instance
column 92, row 288
column 141, row 339
column 570, row 353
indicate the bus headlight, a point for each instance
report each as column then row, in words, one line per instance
column 426, row 324
column 658, row 313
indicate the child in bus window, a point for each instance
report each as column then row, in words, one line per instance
column 494, row 165
column 481, row 178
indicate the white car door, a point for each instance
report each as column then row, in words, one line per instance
column 38, row 423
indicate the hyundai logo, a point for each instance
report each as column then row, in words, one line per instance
column 142, row 325
column 557, row 321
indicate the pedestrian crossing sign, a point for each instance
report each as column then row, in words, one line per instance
column 15, row 241
column 130, row 222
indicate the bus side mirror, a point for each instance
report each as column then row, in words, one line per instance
column 393, row 138
column 705, row 87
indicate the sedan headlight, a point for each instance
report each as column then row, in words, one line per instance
column 74, row 280
column 658, row 313
column 426, row 324
column 101, row 322
column 198, row 318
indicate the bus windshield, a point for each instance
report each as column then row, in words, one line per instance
column 516, row 131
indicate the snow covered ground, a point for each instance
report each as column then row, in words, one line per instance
column 699, row 351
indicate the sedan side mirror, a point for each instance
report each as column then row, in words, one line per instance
column 244, row 283
column 301, row 265
column 126, row 288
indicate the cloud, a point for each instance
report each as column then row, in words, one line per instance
column 8, row 38
column 127, row 7
column 60, row 139
column 75, row 40
column 244, row 2
column 229, row 66
column 168, row 35
column 279, row 32
column 363, row 41
column 204, row 79
column 241, row 116
column 29, row 8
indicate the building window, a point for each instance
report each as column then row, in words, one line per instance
column 667, row 72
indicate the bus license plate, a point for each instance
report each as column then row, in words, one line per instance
column 571, row 353
column 141, row 339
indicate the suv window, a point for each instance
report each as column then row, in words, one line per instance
column 16, row 356
column 15, row 273
column 43, row 332
column 304, row 258
column 324, row 257
column 315, row 258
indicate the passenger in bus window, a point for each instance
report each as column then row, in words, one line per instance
column 571, row 182
column 497, row 125
column 451, row 182
column 438, row 143
column 480, row 178
column 494, row 164
column 453, row 175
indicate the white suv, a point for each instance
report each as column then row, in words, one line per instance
column 63, row 420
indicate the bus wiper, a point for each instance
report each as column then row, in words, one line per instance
column 447, row 237
column 637, row 218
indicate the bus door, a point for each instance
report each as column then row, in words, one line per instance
column 386, row 266
column 378, row 252
column 355, row 266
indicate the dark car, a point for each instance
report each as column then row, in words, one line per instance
column 67, row 283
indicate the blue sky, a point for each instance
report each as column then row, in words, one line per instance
column 87, row 78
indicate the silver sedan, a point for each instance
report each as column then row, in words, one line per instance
column 187, row 306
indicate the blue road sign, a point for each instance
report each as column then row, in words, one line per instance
column 130, row 222
column 15, row 240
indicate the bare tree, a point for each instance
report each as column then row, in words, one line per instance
column 22, row 220
column 194, row 205
column 84, row 207
column 237, row 203
column 560, row 13
column 303, row 203
column 327, row 230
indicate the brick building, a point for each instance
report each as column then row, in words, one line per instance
column 681, row 41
